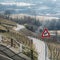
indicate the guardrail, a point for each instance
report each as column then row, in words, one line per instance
column 10, row 53
column 17, row 47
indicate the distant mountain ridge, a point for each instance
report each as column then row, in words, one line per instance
column 37, row 17
column 32, row 7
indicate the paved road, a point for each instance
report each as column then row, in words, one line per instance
column 39, row 45
column 41, row 48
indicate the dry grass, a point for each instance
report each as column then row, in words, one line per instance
column 27, row 32
column 8, row 22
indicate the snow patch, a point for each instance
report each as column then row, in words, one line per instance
column 19, row 27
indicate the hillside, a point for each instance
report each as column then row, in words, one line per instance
column 8, row 33
column 28, row 32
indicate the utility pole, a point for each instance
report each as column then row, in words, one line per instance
column 56, row 34
column 46, row 51
column 32, row 58
column 11, row 42
column 56, row 31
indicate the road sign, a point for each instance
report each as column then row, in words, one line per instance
column 45, row 33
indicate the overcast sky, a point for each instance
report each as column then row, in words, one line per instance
column 40, row 6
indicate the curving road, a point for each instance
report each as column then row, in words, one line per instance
column 40, row 46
